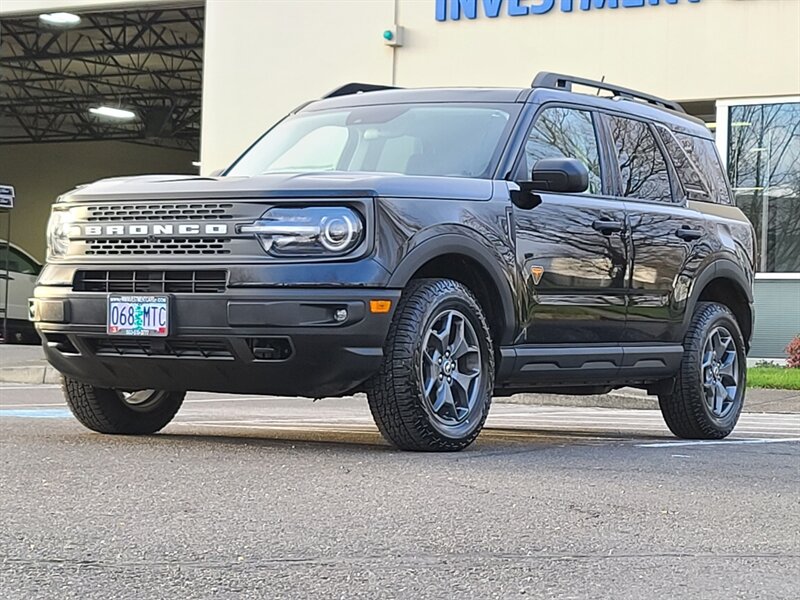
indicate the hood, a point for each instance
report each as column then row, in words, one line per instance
column 281, row 185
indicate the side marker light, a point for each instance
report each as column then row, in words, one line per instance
column 380, row 306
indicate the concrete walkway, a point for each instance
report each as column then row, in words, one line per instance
column 26, row 364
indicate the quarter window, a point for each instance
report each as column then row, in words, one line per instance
column 703, row 153
column 689, row 175
column 565, row 133
column 642, row 166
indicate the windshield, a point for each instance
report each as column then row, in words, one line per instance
column 452, row 140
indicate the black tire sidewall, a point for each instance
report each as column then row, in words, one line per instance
column 466, row 306
column 103, row 410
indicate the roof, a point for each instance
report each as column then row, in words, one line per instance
column 420, row 95
column 630, row 102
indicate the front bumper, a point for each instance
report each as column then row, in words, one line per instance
column 252, row 341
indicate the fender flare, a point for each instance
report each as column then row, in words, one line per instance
column 482, row 252
column 720, row 269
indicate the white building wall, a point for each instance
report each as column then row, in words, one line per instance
column 265, row 57
column 262, row 59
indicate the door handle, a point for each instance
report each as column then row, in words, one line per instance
column 607, row 227
column 688, row 233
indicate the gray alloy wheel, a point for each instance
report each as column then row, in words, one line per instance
column 708, row 394
column 141, row 398
column 720, row 369
column 451, row 369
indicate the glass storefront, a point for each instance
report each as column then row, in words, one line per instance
column 763, row 158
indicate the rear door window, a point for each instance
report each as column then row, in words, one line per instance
column 642, row 167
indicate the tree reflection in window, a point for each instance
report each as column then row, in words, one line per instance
column 642, row 165
column 565, row 133
column 692, row 182
column 704, row 154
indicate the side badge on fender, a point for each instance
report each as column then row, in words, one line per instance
column 537, row 273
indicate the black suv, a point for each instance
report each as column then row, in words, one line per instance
column 431, row 247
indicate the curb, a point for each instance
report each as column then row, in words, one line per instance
column 30, row 374
column 611, row 400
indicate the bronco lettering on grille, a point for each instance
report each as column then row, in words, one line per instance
column 156, row 229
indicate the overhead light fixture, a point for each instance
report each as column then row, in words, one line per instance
column 60, row 19
column 113, row 113
column 741, row 124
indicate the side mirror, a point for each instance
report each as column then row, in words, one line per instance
column 565, row 175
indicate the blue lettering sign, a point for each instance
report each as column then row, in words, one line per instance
column 472, row 9
column 492, row 8
column 469, row 7
column 515, row 9
column 543, row 7
column 587, row 4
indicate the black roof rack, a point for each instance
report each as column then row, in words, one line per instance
column 357, row 88
column 564, row 82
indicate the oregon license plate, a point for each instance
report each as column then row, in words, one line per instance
column 138, row 315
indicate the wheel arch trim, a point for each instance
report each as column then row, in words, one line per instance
column 469, row 247
column 726, row 270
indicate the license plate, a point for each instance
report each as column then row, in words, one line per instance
column 138, row 315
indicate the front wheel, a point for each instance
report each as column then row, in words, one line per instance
column 435, row 386
column 126, row 413
column 709, row 390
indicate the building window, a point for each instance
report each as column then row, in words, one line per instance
column 763, row 158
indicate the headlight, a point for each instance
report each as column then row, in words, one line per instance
column 58, row 228
column 313, row 231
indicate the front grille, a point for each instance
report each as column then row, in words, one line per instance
column 207, row 211
column 152, row 282
column 133, row 246
column 148, row 347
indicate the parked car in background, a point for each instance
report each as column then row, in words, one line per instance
column 23, row 269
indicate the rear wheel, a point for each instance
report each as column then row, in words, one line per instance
column 434, row 388
column 127, row 413
column 709, row 391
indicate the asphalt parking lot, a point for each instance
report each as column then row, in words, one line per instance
column 285, row 498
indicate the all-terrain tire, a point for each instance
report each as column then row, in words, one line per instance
column 396, row 396
column 105, row 410
column 686, row 409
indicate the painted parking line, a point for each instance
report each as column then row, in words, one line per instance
column 41, row 413
column 37, row 405
column 718, row 442
column 42, row 386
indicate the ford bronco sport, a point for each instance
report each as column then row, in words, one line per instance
column 430, row 247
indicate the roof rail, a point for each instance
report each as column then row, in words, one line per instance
column 564, row 82
column 357, row 88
